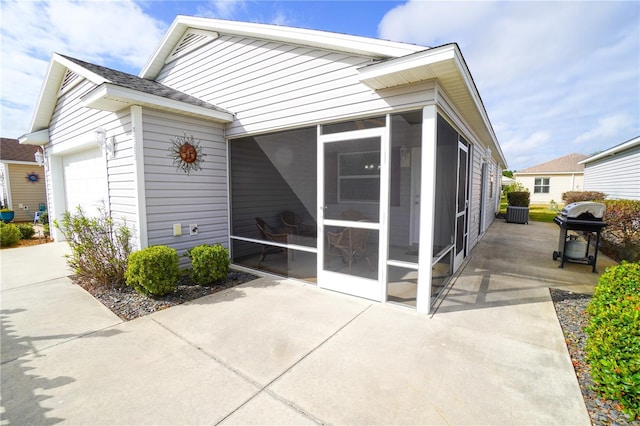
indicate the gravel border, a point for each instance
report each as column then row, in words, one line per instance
column 571, row 311
column 128, row 305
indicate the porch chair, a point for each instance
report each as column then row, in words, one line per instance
column 295, row 225
column 270, row 234
column 349, row 243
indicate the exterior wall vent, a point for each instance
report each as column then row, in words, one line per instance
column 70, row 79
column 191, row 41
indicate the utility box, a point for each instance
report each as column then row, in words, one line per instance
column 517, row 214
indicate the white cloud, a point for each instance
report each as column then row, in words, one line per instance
column 551, row 67
column 605, row 128
column 117, row 34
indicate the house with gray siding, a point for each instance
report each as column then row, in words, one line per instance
column 363, row 166
column 615, row 171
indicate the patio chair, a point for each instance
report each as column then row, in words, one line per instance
column 270, row 234
column 295, row 224
column 349, row 243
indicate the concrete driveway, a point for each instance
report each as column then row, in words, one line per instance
column 281, row 352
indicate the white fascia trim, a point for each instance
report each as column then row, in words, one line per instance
column 613, row 151
column 48, row 94
column 321, row 39
column 134, row 97
column 80, row 70
column 416, row 60
column 40, row 138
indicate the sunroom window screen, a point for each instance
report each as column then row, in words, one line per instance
column 359, row 176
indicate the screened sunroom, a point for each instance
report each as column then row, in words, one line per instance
column 343, row 205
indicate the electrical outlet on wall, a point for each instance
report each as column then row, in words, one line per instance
column 193, row 229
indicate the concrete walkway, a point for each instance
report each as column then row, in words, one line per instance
column 281, row 352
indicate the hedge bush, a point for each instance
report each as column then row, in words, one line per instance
column 99, row 247
column 518, row 198
column 26, row 230
column 622, row 237
column 9, row 234
column 153, row 270
column 209, row 263
column 613, row 342
column 575, row 196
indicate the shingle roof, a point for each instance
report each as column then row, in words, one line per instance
column 566, row 164
column 12, row 150
column 151, row 87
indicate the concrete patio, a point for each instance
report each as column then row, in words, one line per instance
column 276, row 351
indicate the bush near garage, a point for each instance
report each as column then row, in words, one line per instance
column 9, row 234
column 99, row 247
column 153, row 271
column 209, row 263
column 26, row 230
column 613, row 342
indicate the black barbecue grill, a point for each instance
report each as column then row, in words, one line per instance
column 582, row 217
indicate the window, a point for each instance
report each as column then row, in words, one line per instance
column 541, row 186
column 359, row 176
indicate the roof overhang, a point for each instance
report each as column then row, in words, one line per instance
column 446, row 65
column 365, row 46
column 110, row 97
column 49, row 93
column 613, row 151
column 41, row 137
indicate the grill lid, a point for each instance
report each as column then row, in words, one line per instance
column 586, row 210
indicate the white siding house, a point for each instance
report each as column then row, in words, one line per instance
column 616, row 171
column 547, row 181
column 382, row 152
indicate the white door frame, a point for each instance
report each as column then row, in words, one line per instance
column 358, row 286
column 460, row 252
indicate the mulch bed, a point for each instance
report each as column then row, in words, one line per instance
column 571, row 311
column 128, row 305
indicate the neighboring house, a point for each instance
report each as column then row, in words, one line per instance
column 547, row 182
column 22, row 181
column 383, row 150
column 616, row 171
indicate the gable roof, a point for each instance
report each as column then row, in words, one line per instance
column 357, row 45
column 115, row 90
column 631, row 143
column 12, row 150
column 567, row 164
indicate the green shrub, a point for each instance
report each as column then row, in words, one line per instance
column 518, row 198
column 513, row 187
column 9, row 234
column 209, row 263
column 26, row 230
column 575, row 196
column 622, row 237
column 99, row 247
column 153, row 270
column 613, row 342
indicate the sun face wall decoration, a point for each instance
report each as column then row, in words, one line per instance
column 32, row 177
column 186, row 153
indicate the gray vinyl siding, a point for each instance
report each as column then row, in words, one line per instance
column 172, row 196
column 71, row 123
column 493, row 193
column 618, row 176
column 274, row 86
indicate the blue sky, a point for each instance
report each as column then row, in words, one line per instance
column 555, row 77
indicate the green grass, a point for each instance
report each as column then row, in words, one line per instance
column 537, row 212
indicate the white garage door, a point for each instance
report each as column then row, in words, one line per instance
column 85, row 180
